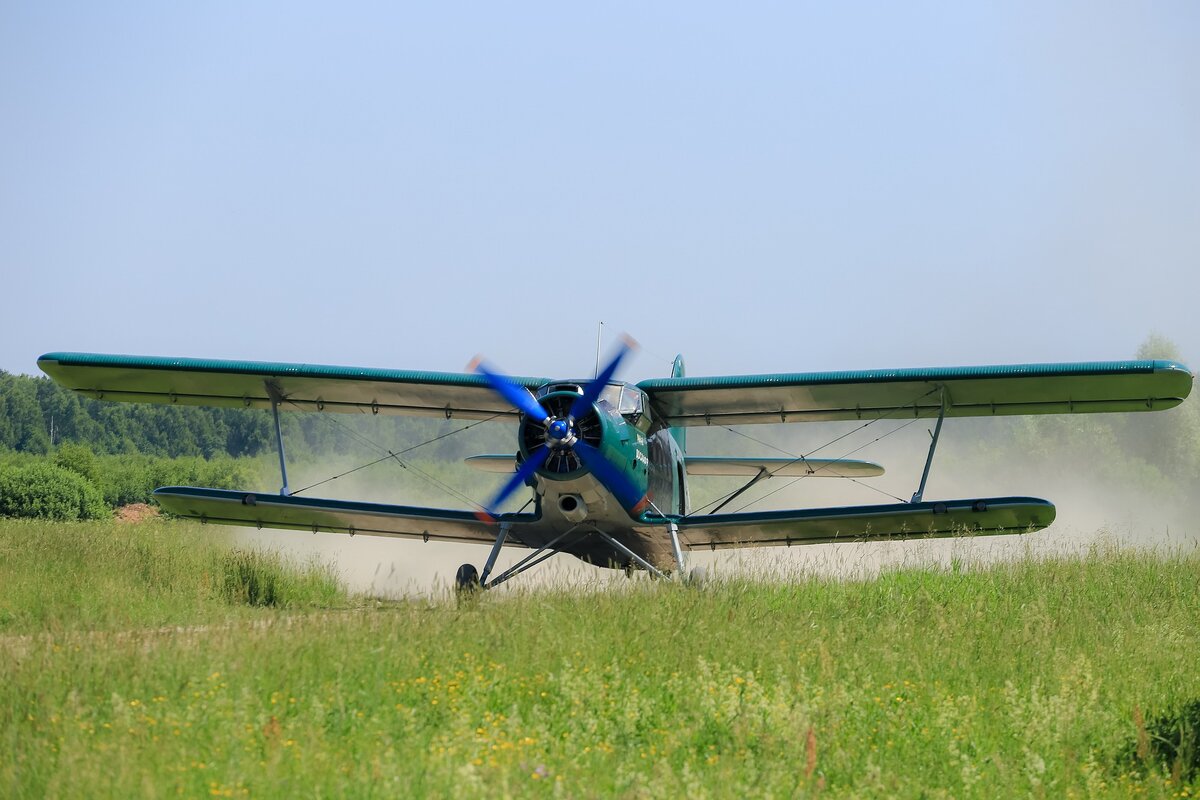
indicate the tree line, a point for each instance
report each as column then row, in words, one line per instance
column 37, row 416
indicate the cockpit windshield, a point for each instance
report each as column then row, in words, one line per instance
column 626, row 400
column 631, row 401
column 611, row 395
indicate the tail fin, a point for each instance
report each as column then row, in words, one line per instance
column 679, row 434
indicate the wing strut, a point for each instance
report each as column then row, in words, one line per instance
column 937, row 431
column 673, row 529
column 491, row 561
column 276, row 398
column 762, row 473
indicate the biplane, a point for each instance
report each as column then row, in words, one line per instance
column 607, row 461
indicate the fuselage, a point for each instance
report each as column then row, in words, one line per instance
column 622, row 426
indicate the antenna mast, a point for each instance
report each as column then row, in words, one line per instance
column 599, row 333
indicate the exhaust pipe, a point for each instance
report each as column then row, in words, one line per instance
column 573, row 507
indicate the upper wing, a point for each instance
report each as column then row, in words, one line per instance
column 862, row 523
column 968, row 392
column 303, row 387
column 225, row 507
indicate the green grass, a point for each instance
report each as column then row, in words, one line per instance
column 61, row 577
column 1025, row 679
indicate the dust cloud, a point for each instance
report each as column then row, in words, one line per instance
column 388, row 567
column 1095, row 506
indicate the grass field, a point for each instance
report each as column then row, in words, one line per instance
column 135, row 662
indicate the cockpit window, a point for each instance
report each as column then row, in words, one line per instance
column 611, row 394
column 559, row 387
column 635, row 409
column 631, row 401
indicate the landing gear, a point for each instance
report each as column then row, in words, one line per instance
column 466, row 581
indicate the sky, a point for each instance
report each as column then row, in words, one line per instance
column 763, row 187
column 760, row 186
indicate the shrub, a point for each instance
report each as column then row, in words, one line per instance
column 48, row 491
column 219, row 473
column 124, row 480
column 78, row 458
column 133, row 478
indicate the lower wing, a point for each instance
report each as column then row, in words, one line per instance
column 253, row 509
column 945, row 518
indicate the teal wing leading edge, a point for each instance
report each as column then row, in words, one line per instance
column 1101, row 386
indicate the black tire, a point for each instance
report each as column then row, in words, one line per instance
column 467, row 578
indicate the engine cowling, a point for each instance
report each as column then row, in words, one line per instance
column 563, row 462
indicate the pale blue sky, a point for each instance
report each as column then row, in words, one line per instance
column 764, row 187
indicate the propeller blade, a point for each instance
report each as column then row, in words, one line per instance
column 612, row 477
column 523, row 473
column 521, row 398
column 592, row 391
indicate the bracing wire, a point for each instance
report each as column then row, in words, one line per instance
column 851, row 452
column 804, row 458
column 391, row 455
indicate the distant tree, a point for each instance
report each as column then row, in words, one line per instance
column 1158, row 453
column 1171, row 440
column 24, row 428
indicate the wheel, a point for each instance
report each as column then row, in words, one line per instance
column 467, row 579
column 697, row 576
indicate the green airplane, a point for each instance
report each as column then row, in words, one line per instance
column 607, row 460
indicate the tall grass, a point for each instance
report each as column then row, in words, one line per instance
column 111, row 576
column 1023, row 679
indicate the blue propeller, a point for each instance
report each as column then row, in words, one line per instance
column 613, row 478
column 520, row 477
column 521, row 398
column 562, row 434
